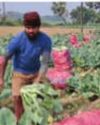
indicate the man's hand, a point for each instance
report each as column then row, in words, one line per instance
column 40, row 78
column 37, row 80
column 1, row 84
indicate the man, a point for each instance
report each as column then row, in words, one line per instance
column 26, row 49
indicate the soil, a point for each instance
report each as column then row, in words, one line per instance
column 5, row 30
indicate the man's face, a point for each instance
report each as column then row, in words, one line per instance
column 31, row 31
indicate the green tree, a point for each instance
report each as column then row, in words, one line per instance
column 90, row 5
column 3, row 12
column 59, row 9
column 97, row 17
column 96, row 7
column 93, row 5
column 88, row 15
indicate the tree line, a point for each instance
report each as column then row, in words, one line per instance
column 87, row 12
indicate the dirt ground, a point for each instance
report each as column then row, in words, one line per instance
column 5, row 30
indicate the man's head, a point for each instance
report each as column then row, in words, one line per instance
column 32, row 23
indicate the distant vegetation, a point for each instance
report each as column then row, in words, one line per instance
column 16, row 18
column 87, row 14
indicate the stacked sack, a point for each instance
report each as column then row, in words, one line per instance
column 61, row 72
column 1, row 63
column 74, row 41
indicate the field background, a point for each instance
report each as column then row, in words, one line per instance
column 6, row 30
column 83, row 90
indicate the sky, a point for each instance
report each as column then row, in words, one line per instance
column 44, row 8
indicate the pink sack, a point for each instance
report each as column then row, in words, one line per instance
column 61, row 72
column 1, row 63
column 62, row 59
column 1, row 60
column 73, row 39
column 86, row 39
column 58, row 78
column 78, row 45
column 84, row 118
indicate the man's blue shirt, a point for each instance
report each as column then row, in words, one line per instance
column 26, row 53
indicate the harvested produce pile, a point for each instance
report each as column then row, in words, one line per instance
column 40, row 102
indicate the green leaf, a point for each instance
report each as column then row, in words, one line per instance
column 25, row 119
column 57, row 106
column 5, row 94
column 7, row 117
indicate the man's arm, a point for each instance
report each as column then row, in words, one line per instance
column 11, row 48
column 44, row 66
column 2, row 72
